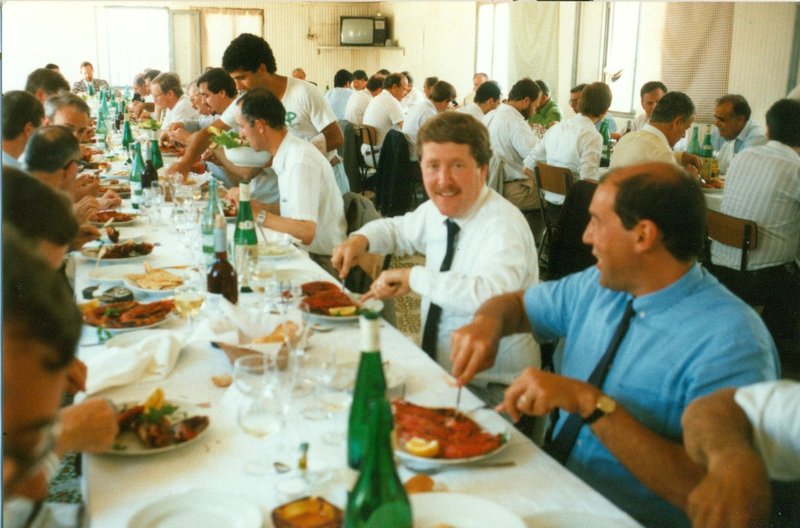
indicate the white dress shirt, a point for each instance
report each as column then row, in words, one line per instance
column 639, row 122
column 419, row 113
column 773, row 409
column 752, row 135
column 413, row 97
column 308, row 192
column 512, row 139
column 472, row 109
column 356, row 106
column 643, row 146
column 182, row 111
column 383, row 112
column 488, row 261
column 763, row 185
column 574, row 144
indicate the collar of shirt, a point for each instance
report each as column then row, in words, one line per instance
column 653, row 130
column 749, row 129
column 783, row 150
column 11, row 161
column 463, row 221
column 666, row 298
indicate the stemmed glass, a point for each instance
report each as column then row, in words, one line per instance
column 189, row 299
column 320, row 367
column 260, row 273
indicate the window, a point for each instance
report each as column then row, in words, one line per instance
column 221, row 25
column 132, row 39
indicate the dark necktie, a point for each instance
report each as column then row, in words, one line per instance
column 431, row 331
column 561, row 446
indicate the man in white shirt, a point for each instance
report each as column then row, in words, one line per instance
column 671, row 118
column 763, row 185
column 358, row 102
column 486, row 99
column 360, row 79
column 413, row 94
column 649, row 95
column 454, row 152
column 311, row 208
column 732, row 115
column 167, row 93
column 341, row 92
column 384, row 110
column 477, row 80
column 439, row 100
column 575, row 144
column 512, row 140
column 743, row 437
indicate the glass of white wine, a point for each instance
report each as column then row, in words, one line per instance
column 189, row 299
column 261, row 272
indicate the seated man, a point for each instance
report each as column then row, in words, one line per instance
column 649, row 95
column 299, row 73
column 44, row 83
column 477, row 80
column 486, row 99
column 468, row 259
column 647, row 228
column 439, row 100
column 548, row 113
column 763, row 185
column 142, row 106
column 575, row 144
column 311, row 208
column 413, row 94
column 732, row 117
column 384, row 111
column 341, row 92
column 671, row 118
column 71, row 111
column 88, row 78
column 512, row 140
column 168, row 94
column 742, row 437
column 358, row 102
column 360, row 79
column 22, row 115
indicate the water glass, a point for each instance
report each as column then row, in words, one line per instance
column 260, row 418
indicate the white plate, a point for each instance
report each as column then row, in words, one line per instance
column 171, row 316
column 113, row 274
column 276, row 251
column 481, row 417
column 117, row 224
column 125, row 233
column 88, row 253
column 462, row 510
column 295, row 276
column 138, row 289
column 560, row 519
column 374, row 305
column 199, row 508
column 247, row 156
column 132, row 445
column 346, row 372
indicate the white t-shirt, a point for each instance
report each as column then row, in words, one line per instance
column 412, row 97
column 472, row 109
column 309, row 192
column 512, row 139
column 383, row 112
column 416, row 117
column 356, row 106
column 182, row 111
column 773, row 408
column 231, row 113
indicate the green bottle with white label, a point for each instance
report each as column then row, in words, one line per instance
column 213, row 209
column 245, row 243
column 137, row 169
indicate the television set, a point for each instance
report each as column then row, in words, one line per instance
column 363, row 31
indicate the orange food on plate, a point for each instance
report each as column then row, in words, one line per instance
column 314, row 287
column 131, row 314
column 458, row 435
column 104, row 216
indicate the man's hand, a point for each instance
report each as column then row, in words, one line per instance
column 85, row 208
column 110, row 200
column 345, row 255
column 389, row 284
column 90, row 426
column 84, row 186
column 180, row 135
column 179, row 167
column 76, row 376
column 86, row 233
column 691, row 160
column 536, row 392
column 734, row 494
column 473, row 347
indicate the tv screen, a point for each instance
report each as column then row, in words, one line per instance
column 357, row 31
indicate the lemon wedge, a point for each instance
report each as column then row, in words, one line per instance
column 155, row 400
column 422, row 448
column 341, row 311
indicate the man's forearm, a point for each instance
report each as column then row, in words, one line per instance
column 509, row 309
column 715, row 424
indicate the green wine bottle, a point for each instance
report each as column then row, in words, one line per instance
column 127, row 138
column 213, row 209
column 378, row 499
column 707, row 150
column 370, row 385
column 155, row 154
column 605, row 156
column 137, row 168
column 694, row 144
column 245, row 243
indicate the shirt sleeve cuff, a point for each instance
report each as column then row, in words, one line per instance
column 421, row 281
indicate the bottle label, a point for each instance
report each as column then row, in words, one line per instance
column 246, row 225
column 370, row 335
column 136, row 193
column 208, row 246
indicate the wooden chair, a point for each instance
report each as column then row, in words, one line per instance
column 366, row 135
column 555, row 180
column 735, row 232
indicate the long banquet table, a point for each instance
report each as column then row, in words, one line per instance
column 115, row 487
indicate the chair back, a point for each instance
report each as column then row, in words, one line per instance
column 552, row 179
column 735, row 232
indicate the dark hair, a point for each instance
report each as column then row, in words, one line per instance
column 341, row 78
column 409, row 77
column 51, row 148
column 51, row 66
column 49, row 81
column 652, row 86
column 577, row 88
column 524, row 88
column 247, row 52
column 374, row 82
column 392, row 79
column 543, row 87
column 459, row 128
column 595, row 99
column 442, row 91
column 151, row 74
column 360, row 75
column 37, row 211
column 37, row 303
column 138, row 79
column 384, row 72
column 57, row 102
column 782, row 122
column 486, row 91
column 672, row 200
column 86, row 63
column 218, row 80
column 19, row 109
column 430, row 81
column 739, row 103
column 259, row 103
column 672, row 106
column 169, row 82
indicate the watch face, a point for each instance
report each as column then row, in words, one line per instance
column 606, row 404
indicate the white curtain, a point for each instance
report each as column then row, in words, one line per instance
column 221, row 25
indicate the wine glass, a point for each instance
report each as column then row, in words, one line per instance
column 260, row 273
column 260, row 418
column 189, row 299
column 319, row 366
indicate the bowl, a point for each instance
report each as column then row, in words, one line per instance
column 247, row 157
column 308, row 512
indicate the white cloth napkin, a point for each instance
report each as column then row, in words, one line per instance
column 131, row 357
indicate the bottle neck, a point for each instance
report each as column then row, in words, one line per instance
column 220, row 244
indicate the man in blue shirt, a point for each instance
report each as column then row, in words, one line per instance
column 688, row 337
column 341, row 92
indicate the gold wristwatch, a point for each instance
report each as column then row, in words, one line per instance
column 605, row 405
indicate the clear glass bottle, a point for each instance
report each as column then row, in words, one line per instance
column 213, row 209
column 245, row 243
column 137, row 169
